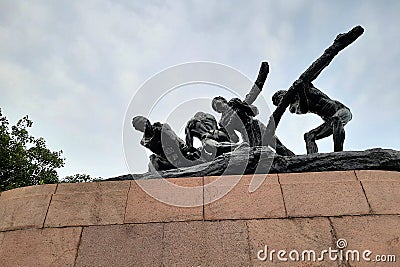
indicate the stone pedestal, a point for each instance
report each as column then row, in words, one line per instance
column 115, row 223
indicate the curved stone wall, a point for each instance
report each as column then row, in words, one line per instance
column 117, row 224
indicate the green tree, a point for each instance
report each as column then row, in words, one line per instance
column 24, row 159
column 79, row 178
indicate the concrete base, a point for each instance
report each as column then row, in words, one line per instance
column 118, row 224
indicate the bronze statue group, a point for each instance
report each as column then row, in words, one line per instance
column 170, row 151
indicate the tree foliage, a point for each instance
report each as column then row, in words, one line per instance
column 79, row 178
column 24, row 159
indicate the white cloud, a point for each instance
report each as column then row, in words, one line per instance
column 73, row 66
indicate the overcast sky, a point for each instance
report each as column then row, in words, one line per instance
column 74, row 67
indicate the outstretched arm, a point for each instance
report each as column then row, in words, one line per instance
column 189, row 136
column 171, row 135
column 250, row 110
column 258, row 84
column 303, row 99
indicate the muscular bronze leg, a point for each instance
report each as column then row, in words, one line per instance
column 311, row 146
column 338, row 134
column 322, row 131
column 281, row 149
